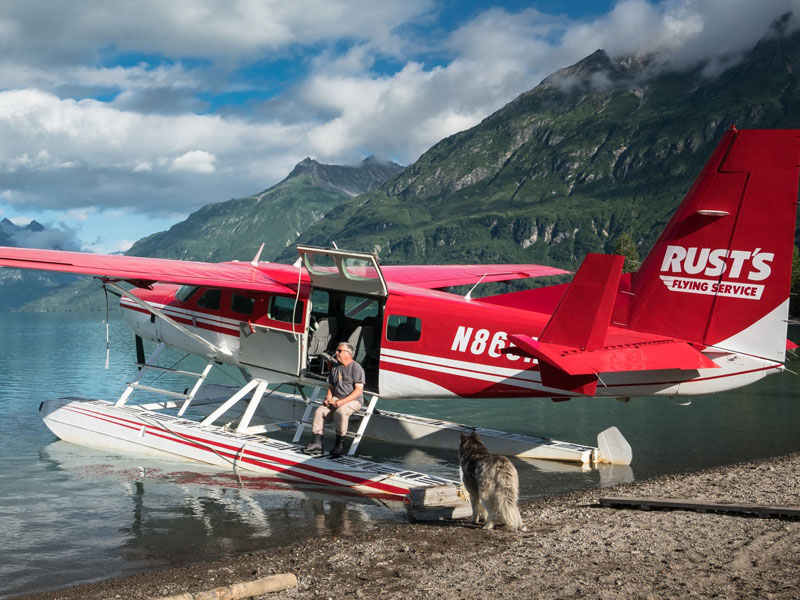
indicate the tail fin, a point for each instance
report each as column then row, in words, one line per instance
column 579, row 322
column 719, row 275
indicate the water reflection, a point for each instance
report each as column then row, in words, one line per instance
column 71, row 514
column 122, row 514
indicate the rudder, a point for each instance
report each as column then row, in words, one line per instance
column 719, row 274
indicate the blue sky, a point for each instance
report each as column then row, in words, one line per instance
column 119, row 119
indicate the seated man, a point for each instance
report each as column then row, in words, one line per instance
column 344, row 397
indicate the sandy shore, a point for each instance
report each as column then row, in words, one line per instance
column 572, row 548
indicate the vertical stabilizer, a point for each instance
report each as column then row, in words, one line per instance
column 579, row 323
column 719, row 275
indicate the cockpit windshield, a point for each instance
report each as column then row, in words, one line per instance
column 185, row 292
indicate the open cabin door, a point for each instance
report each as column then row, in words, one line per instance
column 348, row 292
column 277, row 344
column 345, row 271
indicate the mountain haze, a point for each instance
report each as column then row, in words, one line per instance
column 18, row 286
column 597, row 149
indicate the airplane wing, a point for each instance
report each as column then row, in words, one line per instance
column 440, row 276
column 143, row 270
column 242, row 275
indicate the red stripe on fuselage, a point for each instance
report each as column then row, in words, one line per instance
column 230, row 330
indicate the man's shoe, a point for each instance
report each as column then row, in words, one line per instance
column 315, row 447
column 338, row 447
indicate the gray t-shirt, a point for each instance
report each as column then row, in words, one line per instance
column 344, row 379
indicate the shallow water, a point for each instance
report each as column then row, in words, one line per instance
column 74, row 514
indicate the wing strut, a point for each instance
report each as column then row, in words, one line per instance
column 161, row 315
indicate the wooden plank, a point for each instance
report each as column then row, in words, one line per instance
column 699, row 505
column 437, row 495
column 437, row 503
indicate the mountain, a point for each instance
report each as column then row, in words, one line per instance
column 18, row 286
column 235, row 229
column 605, row 147
column 600, row 148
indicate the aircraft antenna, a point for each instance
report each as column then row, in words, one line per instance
column 254, row 262
column 468, row 297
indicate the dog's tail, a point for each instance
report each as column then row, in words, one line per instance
column 507, row 498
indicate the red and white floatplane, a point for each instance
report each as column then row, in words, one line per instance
column 706, row 312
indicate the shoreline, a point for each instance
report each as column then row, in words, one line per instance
column 572, row 548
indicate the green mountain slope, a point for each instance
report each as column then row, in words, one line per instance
column 234, row 230
column 597, row 149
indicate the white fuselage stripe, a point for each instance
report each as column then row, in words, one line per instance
column 434, row 363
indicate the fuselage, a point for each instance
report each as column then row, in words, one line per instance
column 421, row 343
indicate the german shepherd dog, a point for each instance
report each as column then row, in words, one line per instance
column 492, row 483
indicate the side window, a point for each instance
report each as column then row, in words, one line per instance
column 281, row 308
column 403, row 329
column 210, row 299
column 321, row 302
column 242, row 304
column 185, row 292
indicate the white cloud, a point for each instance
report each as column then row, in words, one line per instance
column 195, row 161
column 155, row 145
column 197, row 28
column 106, row 147
column 79, row 214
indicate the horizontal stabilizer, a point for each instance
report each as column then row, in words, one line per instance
column 644, row 356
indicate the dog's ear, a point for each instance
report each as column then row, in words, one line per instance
column 463, row 437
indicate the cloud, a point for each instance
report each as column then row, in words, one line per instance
column 237, row 29
column 123, row 158
column 682, row 32
column 195, row 161
column 124, row 107
column 56, row 237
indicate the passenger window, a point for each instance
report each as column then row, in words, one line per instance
column 210, row 299
column 403, row 329
column 281, row 308
column 242, row 304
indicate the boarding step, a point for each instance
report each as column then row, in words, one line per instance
column 364, row 412
column 155, row 390
column 169, row 370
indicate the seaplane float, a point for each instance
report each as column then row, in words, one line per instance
column 706, row 312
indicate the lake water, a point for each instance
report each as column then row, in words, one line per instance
column 72, row 514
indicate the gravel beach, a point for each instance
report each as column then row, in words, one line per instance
column 572, row 548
